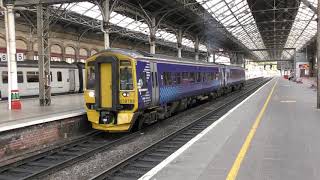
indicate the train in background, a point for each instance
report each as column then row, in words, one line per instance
column 65, row 78
column 126, row 89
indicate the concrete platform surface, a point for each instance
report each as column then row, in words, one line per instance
column 283, row 146
column 62, row 106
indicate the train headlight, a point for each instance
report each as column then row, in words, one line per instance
column 125, row 94
column 91, row 94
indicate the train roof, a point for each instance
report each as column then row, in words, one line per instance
column 160, row 57
column 33, row 63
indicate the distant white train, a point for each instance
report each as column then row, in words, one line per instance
column 65, row 78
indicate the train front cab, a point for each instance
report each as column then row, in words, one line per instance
column 111, row 94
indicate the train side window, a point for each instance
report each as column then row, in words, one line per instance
column 51, row 76
column 20, row 76
column 192, row 77
column 5, row 77
column 164, row 78
column 203, row 77
column 32, row 76
column 169, row 80
column 173, row 78
column 185, row 77
column 59, row 76
column 199, row 77
column 178, row 78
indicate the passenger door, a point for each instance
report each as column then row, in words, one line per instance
column 106, row 85
column 106, row 82
column 154, row 83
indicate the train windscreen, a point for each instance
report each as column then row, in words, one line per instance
column 126, row 82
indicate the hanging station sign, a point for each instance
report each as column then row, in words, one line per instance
column 20, row 57
column 3, row 57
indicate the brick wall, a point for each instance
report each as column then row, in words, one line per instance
column 17, row 142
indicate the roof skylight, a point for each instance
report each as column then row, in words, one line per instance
column 236, row 17
column 303, row 28
column 91, row 10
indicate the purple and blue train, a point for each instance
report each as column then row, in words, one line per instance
column 126, row 89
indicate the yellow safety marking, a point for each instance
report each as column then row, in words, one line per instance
column 237, row 163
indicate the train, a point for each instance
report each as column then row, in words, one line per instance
column 126, row 89
column 65, row 78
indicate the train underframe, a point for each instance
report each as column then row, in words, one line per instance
column 132, row 121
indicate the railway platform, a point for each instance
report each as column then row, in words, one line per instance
column 32, row 113
column 270, row 135
column 35, row 127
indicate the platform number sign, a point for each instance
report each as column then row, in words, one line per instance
column 3, row 57
column 20, row 56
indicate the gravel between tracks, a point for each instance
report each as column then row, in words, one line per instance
column 101, row 161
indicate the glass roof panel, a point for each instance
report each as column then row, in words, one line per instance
column 91, row 10
column 303, row 29
column 202, row 47
column 187, row 42
column 236, row 16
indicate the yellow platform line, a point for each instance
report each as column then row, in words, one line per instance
column 237, row 163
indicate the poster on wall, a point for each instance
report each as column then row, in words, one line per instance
column 302, row 69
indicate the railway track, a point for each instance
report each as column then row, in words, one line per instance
column 140, row 163
column 61, row 157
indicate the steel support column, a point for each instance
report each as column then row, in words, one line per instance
column 209, row 52
column 179, row 42
column 214, row 57
column 152, row 37
column 106, row 24
column 318, row 57
column 43, row 23
column 295, row 63
column 196, row 48
column 13, row 91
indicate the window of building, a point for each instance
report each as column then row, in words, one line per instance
column 70, row 60
column 55, row 58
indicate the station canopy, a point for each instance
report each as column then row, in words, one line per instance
column 92, row 10
column 261, row 24
column 272, row 29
